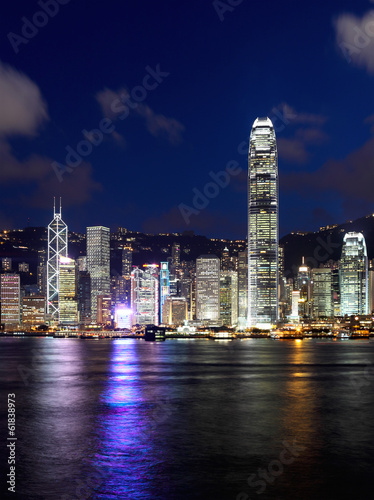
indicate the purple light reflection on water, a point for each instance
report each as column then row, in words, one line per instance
column 127, row 427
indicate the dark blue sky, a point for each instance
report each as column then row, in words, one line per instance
column 309, row 66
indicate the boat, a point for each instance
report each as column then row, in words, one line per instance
column 286, row 334
column 343, row 334
column 360, row 334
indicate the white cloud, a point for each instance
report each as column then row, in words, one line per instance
column 355, row 38
column 114, row 106
column 22, row 108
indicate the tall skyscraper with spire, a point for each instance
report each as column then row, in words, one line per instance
column 354, row 275
column 57, row 248
column 263, row 232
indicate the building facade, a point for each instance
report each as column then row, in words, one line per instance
column 10, row 294
column 145, row 296
column 68, row 305
column 164, row 285
column 263, row 265
column 229, row 298
column 57, row 248
column 207, row 288
column 242, row 288
column 84, row 297
column 354, row 275
column 33, row 311
column 175, row 311
column 322, row 294
column 98, row 264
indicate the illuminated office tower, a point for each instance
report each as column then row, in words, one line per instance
column 57, row 248
column 322, row 304
column 104, row 310
column 262, row 225
column 229, row 298
column 145, row 296
column 335, row 285
column 295, row 301
column 67, row 298
column 175, row 311
column 84, row 297
column 281, row 261
column 127, row 262
column 225, row 259
column 41, row 271
column 164, row 286
column 354, row 275
column 82, row 263
column 98, row 264
column 242, row 288
column 175, row 257
column 303, row 285
column 33, row 311
column 126, row 276
column 207, row 287
column 10, row 293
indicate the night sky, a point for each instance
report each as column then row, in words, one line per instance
column 197, row 73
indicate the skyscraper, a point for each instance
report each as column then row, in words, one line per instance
column 33, row 311
column 145, row 296
column 164, row 286
column 229, row 298
column 57, row 248
column 322, row 305
column 262, row 225
column 84, row 297
column 176, row 256
column 174, row 311
column 304, row 286
column 98, row 264
column 354, row 275
column 67, row 298
column 10, row 299
column 127, row 262
column 207, row 287
column 242, row 288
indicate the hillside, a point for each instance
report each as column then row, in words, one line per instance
column 320, row 246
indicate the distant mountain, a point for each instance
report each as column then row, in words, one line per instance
column 317, row 247
column 320, row 246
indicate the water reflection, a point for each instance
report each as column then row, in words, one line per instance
column 127, row 455
column 130, row 419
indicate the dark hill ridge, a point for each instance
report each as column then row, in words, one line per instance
column 317, row 247
column 320, row 246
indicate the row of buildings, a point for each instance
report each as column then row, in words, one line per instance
column 245, row 290
column 211, row 291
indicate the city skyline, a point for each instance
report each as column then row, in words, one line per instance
column 187, row 249
column 209, row 291
column 169, row 137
